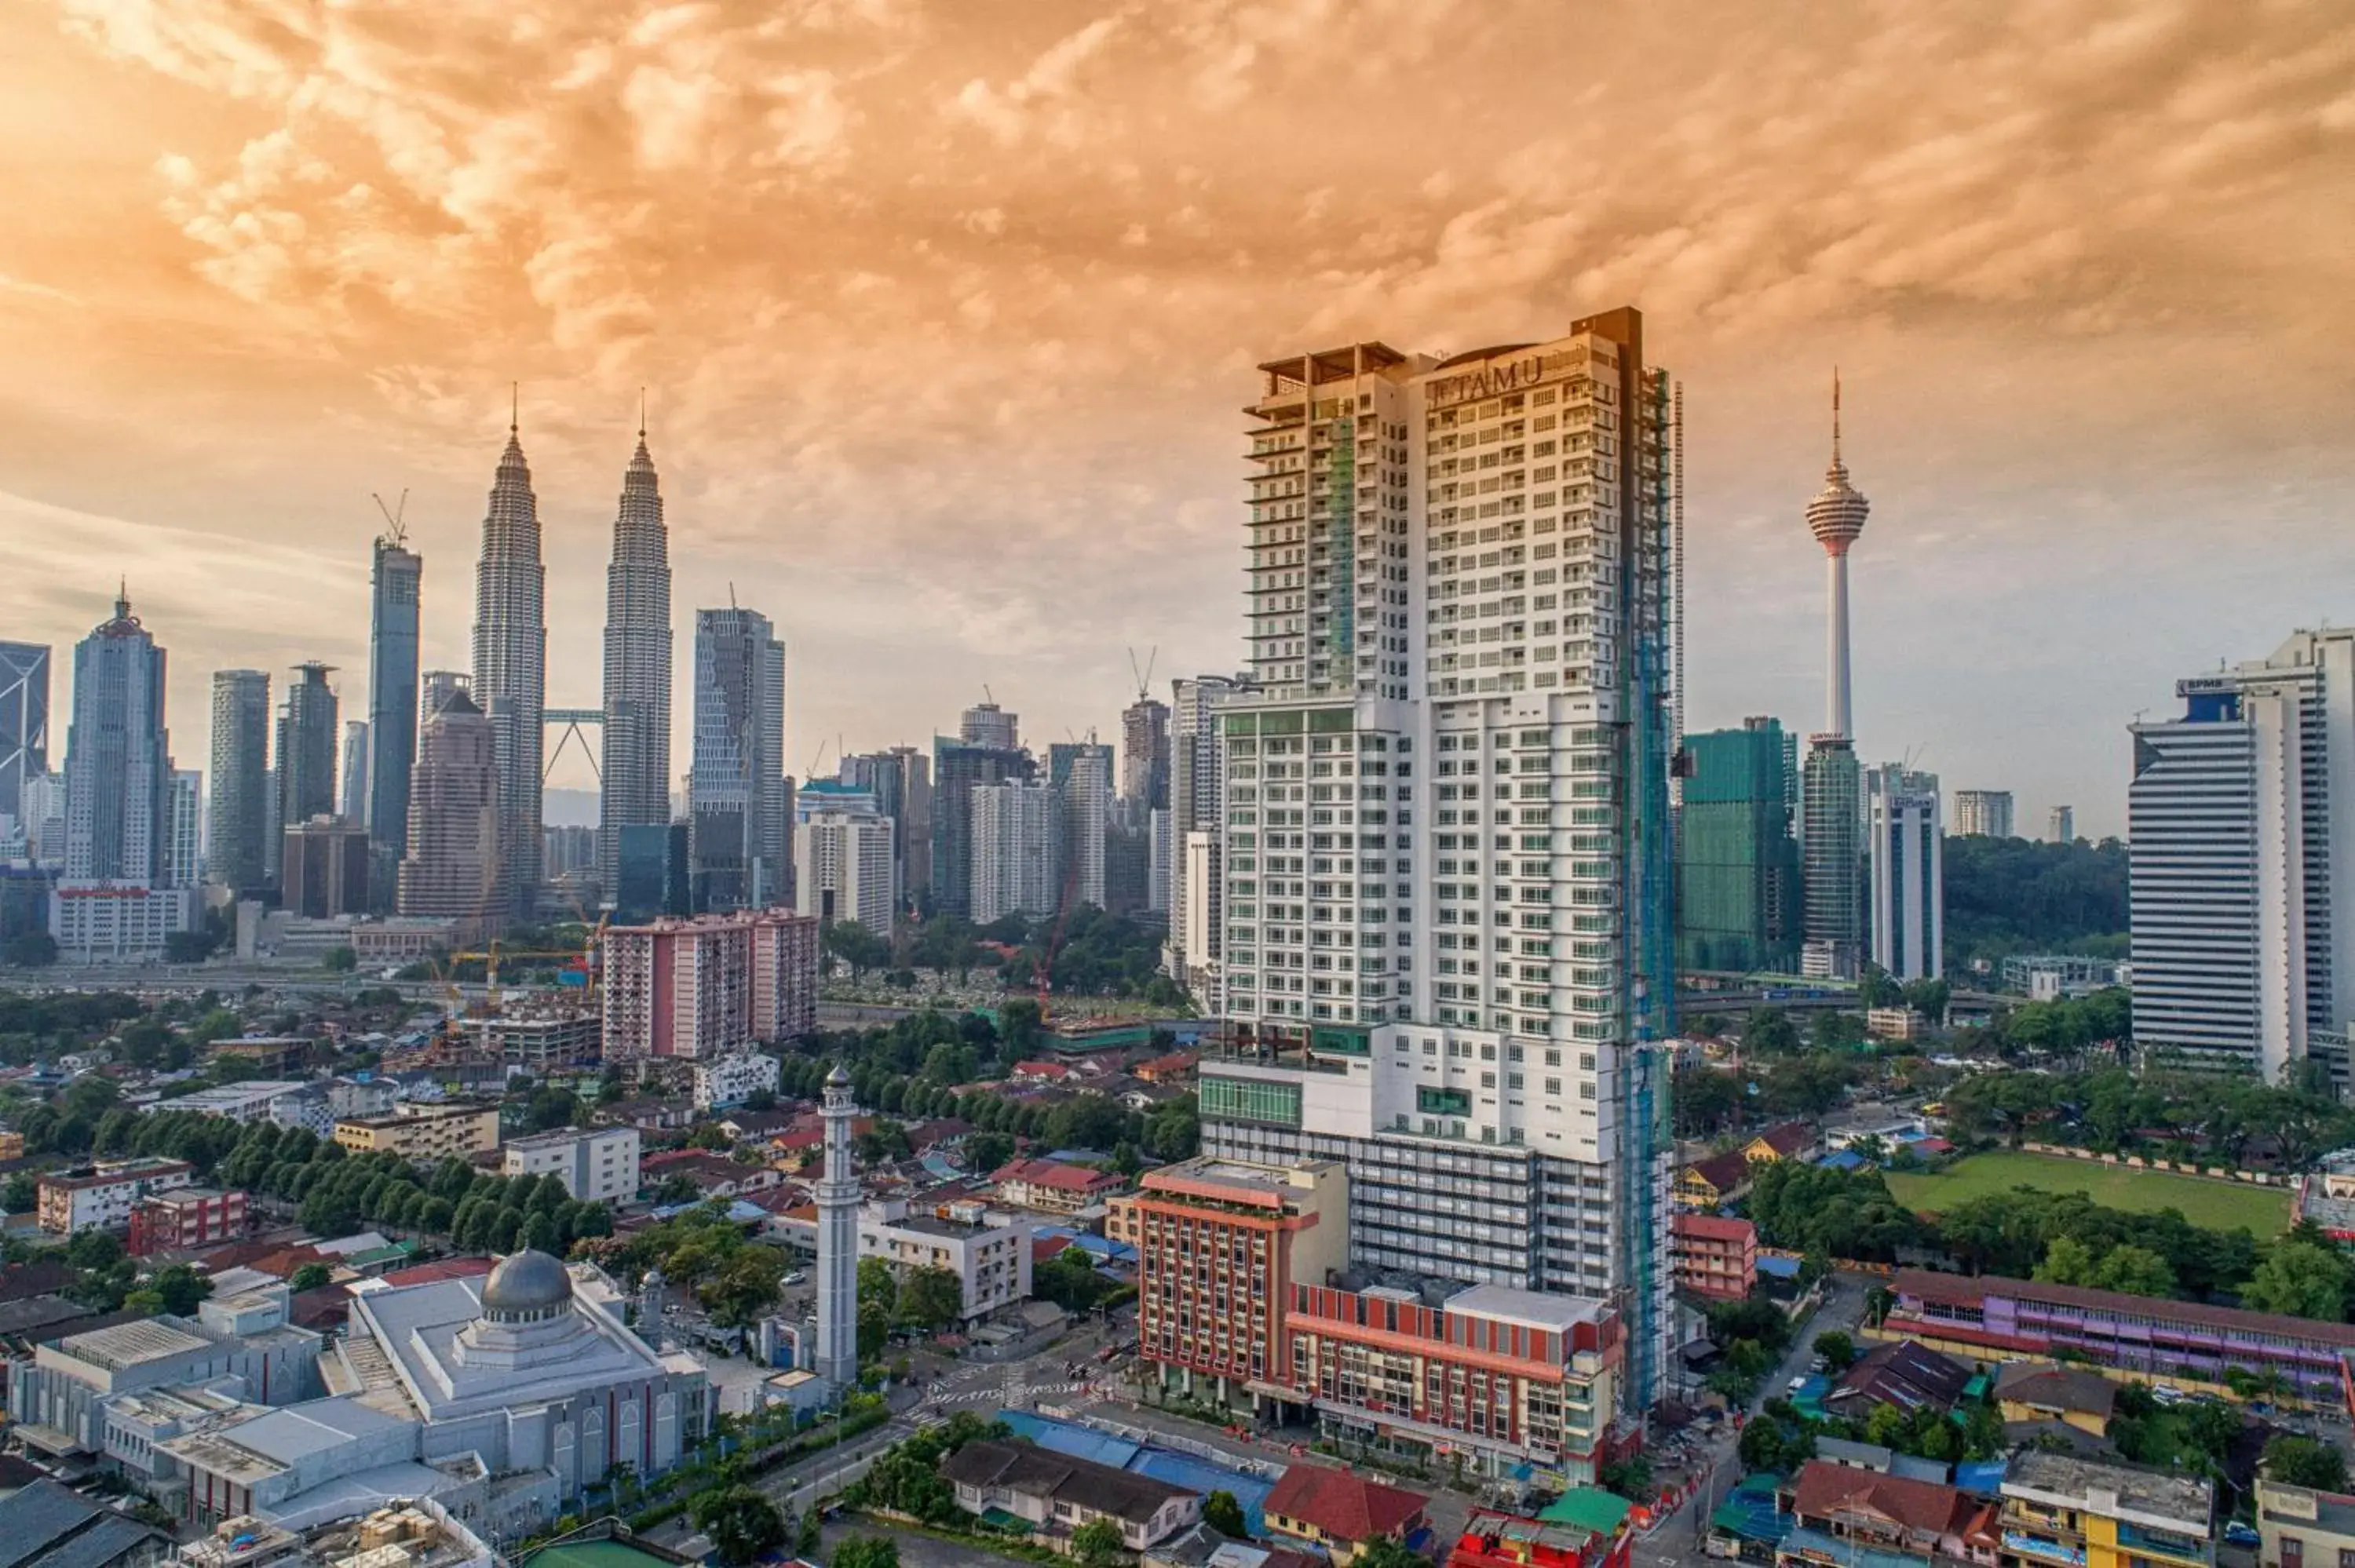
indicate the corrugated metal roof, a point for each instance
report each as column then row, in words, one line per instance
column 37, row 1516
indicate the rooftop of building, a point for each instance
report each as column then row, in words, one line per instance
column 50, row 1525
column 2053, row 1387
column 1509, row 1304
column 2302, row 1506
column 1237, row 1181
column 563, row 1135
column 1342, row 1506
column 1825, row 1489
column 1028, row 1468
column 115, row 1172
column 2099, row 1486
column 413, row 1112
column 127, row 1345
column 232, row 1094
column 1959, row 1290
column 1713, row 1227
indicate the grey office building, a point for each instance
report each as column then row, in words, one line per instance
column 240, row 805
column 737, row 799
column 24, row 721
column 397, row 582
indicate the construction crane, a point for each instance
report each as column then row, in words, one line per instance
column 395, row 529
column 1144, row 676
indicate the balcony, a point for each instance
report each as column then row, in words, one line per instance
column 2043, row 1548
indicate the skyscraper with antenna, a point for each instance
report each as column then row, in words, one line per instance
column 395, row 584
column 511, row 666
column 1831, row 803
column 635, row 774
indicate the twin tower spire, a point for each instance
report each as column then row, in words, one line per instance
column 511, row 663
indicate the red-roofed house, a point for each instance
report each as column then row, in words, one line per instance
column 1894, row 1513
column 1176, row 1067
column 1041, row 1072
column 1705, row 1183
column 1784, row 1140
column 1051, row 1186
column 1714, row 1257
column 1339, row 1513
column 447, row 1268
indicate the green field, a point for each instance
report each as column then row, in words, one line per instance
column 2217, row 1205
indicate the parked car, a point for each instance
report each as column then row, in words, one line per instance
column 2240, row 1534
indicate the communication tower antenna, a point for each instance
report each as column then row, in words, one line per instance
column 398, row 531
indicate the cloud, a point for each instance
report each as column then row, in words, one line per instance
column 948, row 307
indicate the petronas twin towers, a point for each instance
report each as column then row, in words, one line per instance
column 511, row 668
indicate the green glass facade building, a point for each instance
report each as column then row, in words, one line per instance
column 1738, row 883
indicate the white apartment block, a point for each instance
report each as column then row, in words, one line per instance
column 2241, row 826
column 1018, row 850
column 1986, row 812
column 845, row 868
column 596, row 1164
column 1905, row 852
column 990, row 1257
column 1445, row 841
column 69, row 1202
column 1196, row 806
column 724, row 1081
column 258, row 1100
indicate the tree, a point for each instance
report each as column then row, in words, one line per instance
column 867, row 1552
column 1388, row 1551
column 878, row 1284
column 21, row 1195
column 340, row 960
column 1224, row 1513
column 310, row 1276
column 1838, row 1349
column 2135, row 1271
column 551, row 1108
column 744, row 1524
column 931, row 1298
column 985, row 1152
column 2300, row 1279
column 2296, row 1461
column 2067, row 1261
column 28, row 951
column 1770, row 1032
column 180, row 1287
column 1096, row 1543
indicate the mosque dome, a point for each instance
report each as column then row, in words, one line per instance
column 526, row 1285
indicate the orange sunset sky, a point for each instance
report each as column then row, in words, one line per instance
column 947, row 310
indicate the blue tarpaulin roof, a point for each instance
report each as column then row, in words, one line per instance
column 1779, row 1267
column 1982, row 1476
column 1162, row 1464
column 1843, row 1160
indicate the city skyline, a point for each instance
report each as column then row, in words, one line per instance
column 2020, row 384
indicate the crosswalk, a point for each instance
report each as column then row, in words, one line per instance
column 1009, row 1396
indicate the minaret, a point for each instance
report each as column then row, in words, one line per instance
column 511, row 666
column 838, row 1243
column 1836, row 516
column 636, row 769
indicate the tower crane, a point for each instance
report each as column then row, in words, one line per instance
column 1144, row 676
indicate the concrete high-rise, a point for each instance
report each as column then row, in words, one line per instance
column 843, row 868
column 114, row 899
column 308, row 739
column 836, row 1358
column 2061, row 826
column 1081, row 772
column 2241, row 834
column 1018, row 844
column 239, row 854
column 1144, row 752
column 1447, row 936
column 184, row 835
column 1196, row 808
column 1737, row 861
column 1905, row 860
column 396, row 603
column 635, row 777
column 901, row 780
column 960, row 768
column 737, row 798
column 325, row 870
column 1984, row 813
column 1832, row 841
column 451, row 866
column 986, row 724
column 511, row 667
column 24, row 721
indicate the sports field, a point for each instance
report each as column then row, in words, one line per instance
column 2218, row 1205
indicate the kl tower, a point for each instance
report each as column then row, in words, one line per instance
column 1831, row 805
column 1837, row 517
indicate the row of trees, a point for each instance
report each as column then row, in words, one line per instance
column 2019, row 895
column 2113, row 1110
column 736, row 1281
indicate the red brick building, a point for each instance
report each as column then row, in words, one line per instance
column 184, row 1218
column 1715, row 1258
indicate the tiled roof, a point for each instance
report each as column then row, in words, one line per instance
column 1714, row 1228
column 1034, row 1471
column 1955, row 1289
column 1905, row 1374
column 1340, row 1505
column 2055, row 1388
column 1723, row 1171
column 1826, row 1488
column 1787, row 1138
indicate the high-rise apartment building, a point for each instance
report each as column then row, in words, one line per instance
column 114, row 899
column 1832, row 801
column 1446, row 850
column 184, row 839
column 308, row 739
column 1019, row 843
column 2061, row 826
column 711, row 986
column 843, row 866
column 2241, row 834
column 1081, row 772
column 1144, row 752
column 394, row 604
column 986, row 724
column 1984, row 813
column 960, row 768
column 452, row 868
column 352, row 804
column 1905, row 858
column 901, row 780
column 1737, row 861
column 636, row 778
column 24, row 721
column 736, row 791
column 1197, row 807
column 510, row 687
column 241, row 782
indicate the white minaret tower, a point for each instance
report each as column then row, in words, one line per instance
column 1836, row 516
column 837, row 1242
